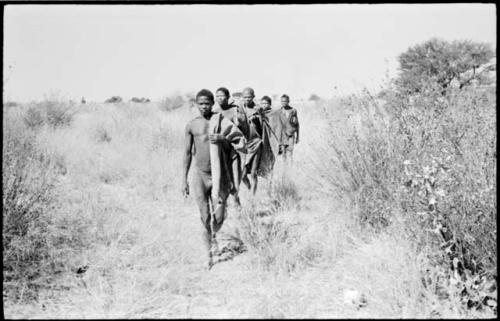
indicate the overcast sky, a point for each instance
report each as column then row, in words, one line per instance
column 154, row 50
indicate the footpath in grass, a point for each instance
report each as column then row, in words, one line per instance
column 156, row 266
column 306, row 260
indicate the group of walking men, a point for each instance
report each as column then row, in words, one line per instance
column 233, row 143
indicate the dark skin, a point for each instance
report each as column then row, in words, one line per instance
column 248, row 97
column 197, row 136
column 285, row 104
column 295, row 138
column 222, row 99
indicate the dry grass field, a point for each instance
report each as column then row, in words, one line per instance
column 95, row 225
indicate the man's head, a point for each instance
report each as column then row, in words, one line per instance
column 285, row 100
column 222, row 95
column 205, row 101
column 248, row 96
column 265, row 102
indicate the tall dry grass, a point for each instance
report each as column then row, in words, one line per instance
column 428, row 166
column 38, row 242
column 340, row 221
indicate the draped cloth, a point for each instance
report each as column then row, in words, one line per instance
column 222, row 176
column 262, row 139
column 237, row 115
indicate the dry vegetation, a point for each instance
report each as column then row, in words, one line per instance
column 385, row 195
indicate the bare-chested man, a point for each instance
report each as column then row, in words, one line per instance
column 237, row 115
column 290, row 128
column 209, row 128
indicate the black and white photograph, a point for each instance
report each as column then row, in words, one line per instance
column 235, row 161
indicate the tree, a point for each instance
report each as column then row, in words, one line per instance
column 439, row 62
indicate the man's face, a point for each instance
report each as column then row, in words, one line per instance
column 247, row 98
column 204, row 105
column 284, row 102
column 221, row 98
column 265, row 104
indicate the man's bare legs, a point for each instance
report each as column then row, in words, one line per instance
column 253, row 172
column 202, row 190
column 236, row 167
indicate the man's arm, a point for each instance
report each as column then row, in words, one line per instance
column 298, row 127
column 187, row 159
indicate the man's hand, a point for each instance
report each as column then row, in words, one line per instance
column 185, row 189
column 217, row 138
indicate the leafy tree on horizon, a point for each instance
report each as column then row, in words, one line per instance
column 440, row 62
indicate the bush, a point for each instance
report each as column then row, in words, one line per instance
column 429, row 165
column 58, row 113
column 9, row 104
column 314, row 97
column 38, row 244
column 171, row 103
column 267, row 238
column 27, row 187
column 34, row 118
column 285, row 193
column 140, row 100
column 114, row 99
column 51, row 112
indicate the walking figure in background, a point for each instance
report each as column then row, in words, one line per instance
column 211, row 138
column 260, row 158
column 290, row 129
column 237, row 116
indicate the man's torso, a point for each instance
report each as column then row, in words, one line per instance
column 289, row 120
column 199, row 130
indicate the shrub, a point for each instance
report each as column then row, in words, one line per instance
column 285, row 193
column 51, row 112
column 9, row 104
column 114, row 99
column 140, row 100
column 34, row 118
column 27, row 186
column 171, row 103
column 266, row 236
column 314, row 97
column 58, row 113
column 38, row 243
column 429, row 163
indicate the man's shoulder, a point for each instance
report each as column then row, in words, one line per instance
column 195, row 120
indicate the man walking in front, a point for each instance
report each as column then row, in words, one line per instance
column 208, row 132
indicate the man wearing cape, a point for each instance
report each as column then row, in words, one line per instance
column 261, row 139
